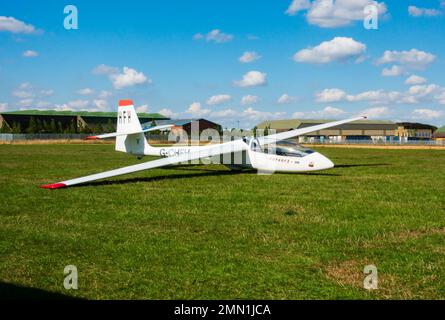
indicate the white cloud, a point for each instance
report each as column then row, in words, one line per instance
column 415, row 94
column 418, row 12
column 43, row 105
column 46, row 93
column 249, row 99
column 327, row 112
column 394, row 71
column 423, row 89
column 218, row 99
column 415, row 80
column 104, row 69
column 440, row 97
column 427, row 113
column 330, row 95
column 62, row 107
column 129, row 77
column 142, row 108
column 196, row 110
column 286, row 99
column 99, row 104
column 11, row 24
column 22, row 94
column 30, row 54
column 377, row 112
column 332, row 14
column 26, row 103
column 214, row 36
column 3, row 106
column 252, row 79
column 78, row 104
column 413, row 58
column 337, row 49
column 167, row 113
column 104, row 94
column 85, row 91
column 257, row 115
column 26, row 91
column 297, row 5
column 224, row 114
column 249, row 56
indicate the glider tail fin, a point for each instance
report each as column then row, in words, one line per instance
column 128, row 122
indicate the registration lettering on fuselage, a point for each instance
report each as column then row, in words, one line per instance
column 171, row 152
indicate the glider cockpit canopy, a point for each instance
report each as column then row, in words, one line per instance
column 288, row 148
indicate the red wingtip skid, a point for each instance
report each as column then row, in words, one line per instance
column 53, row 186
column 124, row 103
column 92, row 138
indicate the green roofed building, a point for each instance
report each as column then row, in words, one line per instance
column 357, row 130
column 439, row 134
column 51, row 121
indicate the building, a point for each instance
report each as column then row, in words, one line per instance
column 50, row 121
column 439, row 134
column 378, row 130
column 408, row 131
column 187, row 125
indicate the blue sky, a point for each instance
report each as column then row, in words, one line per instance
column 301, row 58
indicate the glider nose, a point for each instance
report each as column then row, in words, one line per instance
column 325, row 163
column 320, row 162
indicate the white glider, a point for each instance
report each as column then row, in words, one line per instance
column 270, row 153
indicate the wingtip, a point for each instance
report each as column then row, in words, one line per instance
column 91, row 138
column 364, row 117
column 53, row 186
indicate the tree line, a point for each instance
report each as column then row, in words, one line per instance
column 36, row 125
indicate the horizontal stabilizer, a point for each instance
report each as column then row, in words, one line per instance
column 116, row 134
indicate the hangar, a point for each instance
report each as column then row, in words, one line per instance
column 409, row 131
column 378, row 130
column 51, row 121
column 187, row 125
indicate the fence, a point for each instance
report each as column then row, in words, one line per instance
column 160, row 138
column 378, row 142
column 41, row 136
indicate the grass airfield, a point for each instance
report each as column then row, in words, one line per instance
column 201, row 232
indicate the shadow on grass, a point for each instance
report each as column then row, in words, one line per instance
column 205, row 173
column 9, row 291
column 361, row 165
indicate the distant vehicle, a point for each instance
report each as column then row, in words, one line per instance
column 272, row 153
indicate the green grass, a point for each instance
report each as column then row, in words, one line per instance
column 202, row 232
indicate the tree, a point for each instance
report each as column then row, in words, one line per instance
column 45, row 126
column 4, row 128
column 254, row 131
column 32, row 125
column 99, row 128
column 72, row 127
column 59, row 127
column 39, row 125
column 53, row 126
column 16, row 128
column 110, row 126
column 266, row 131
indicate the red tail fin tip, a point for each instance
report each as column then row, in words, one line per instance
column 124, row 103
